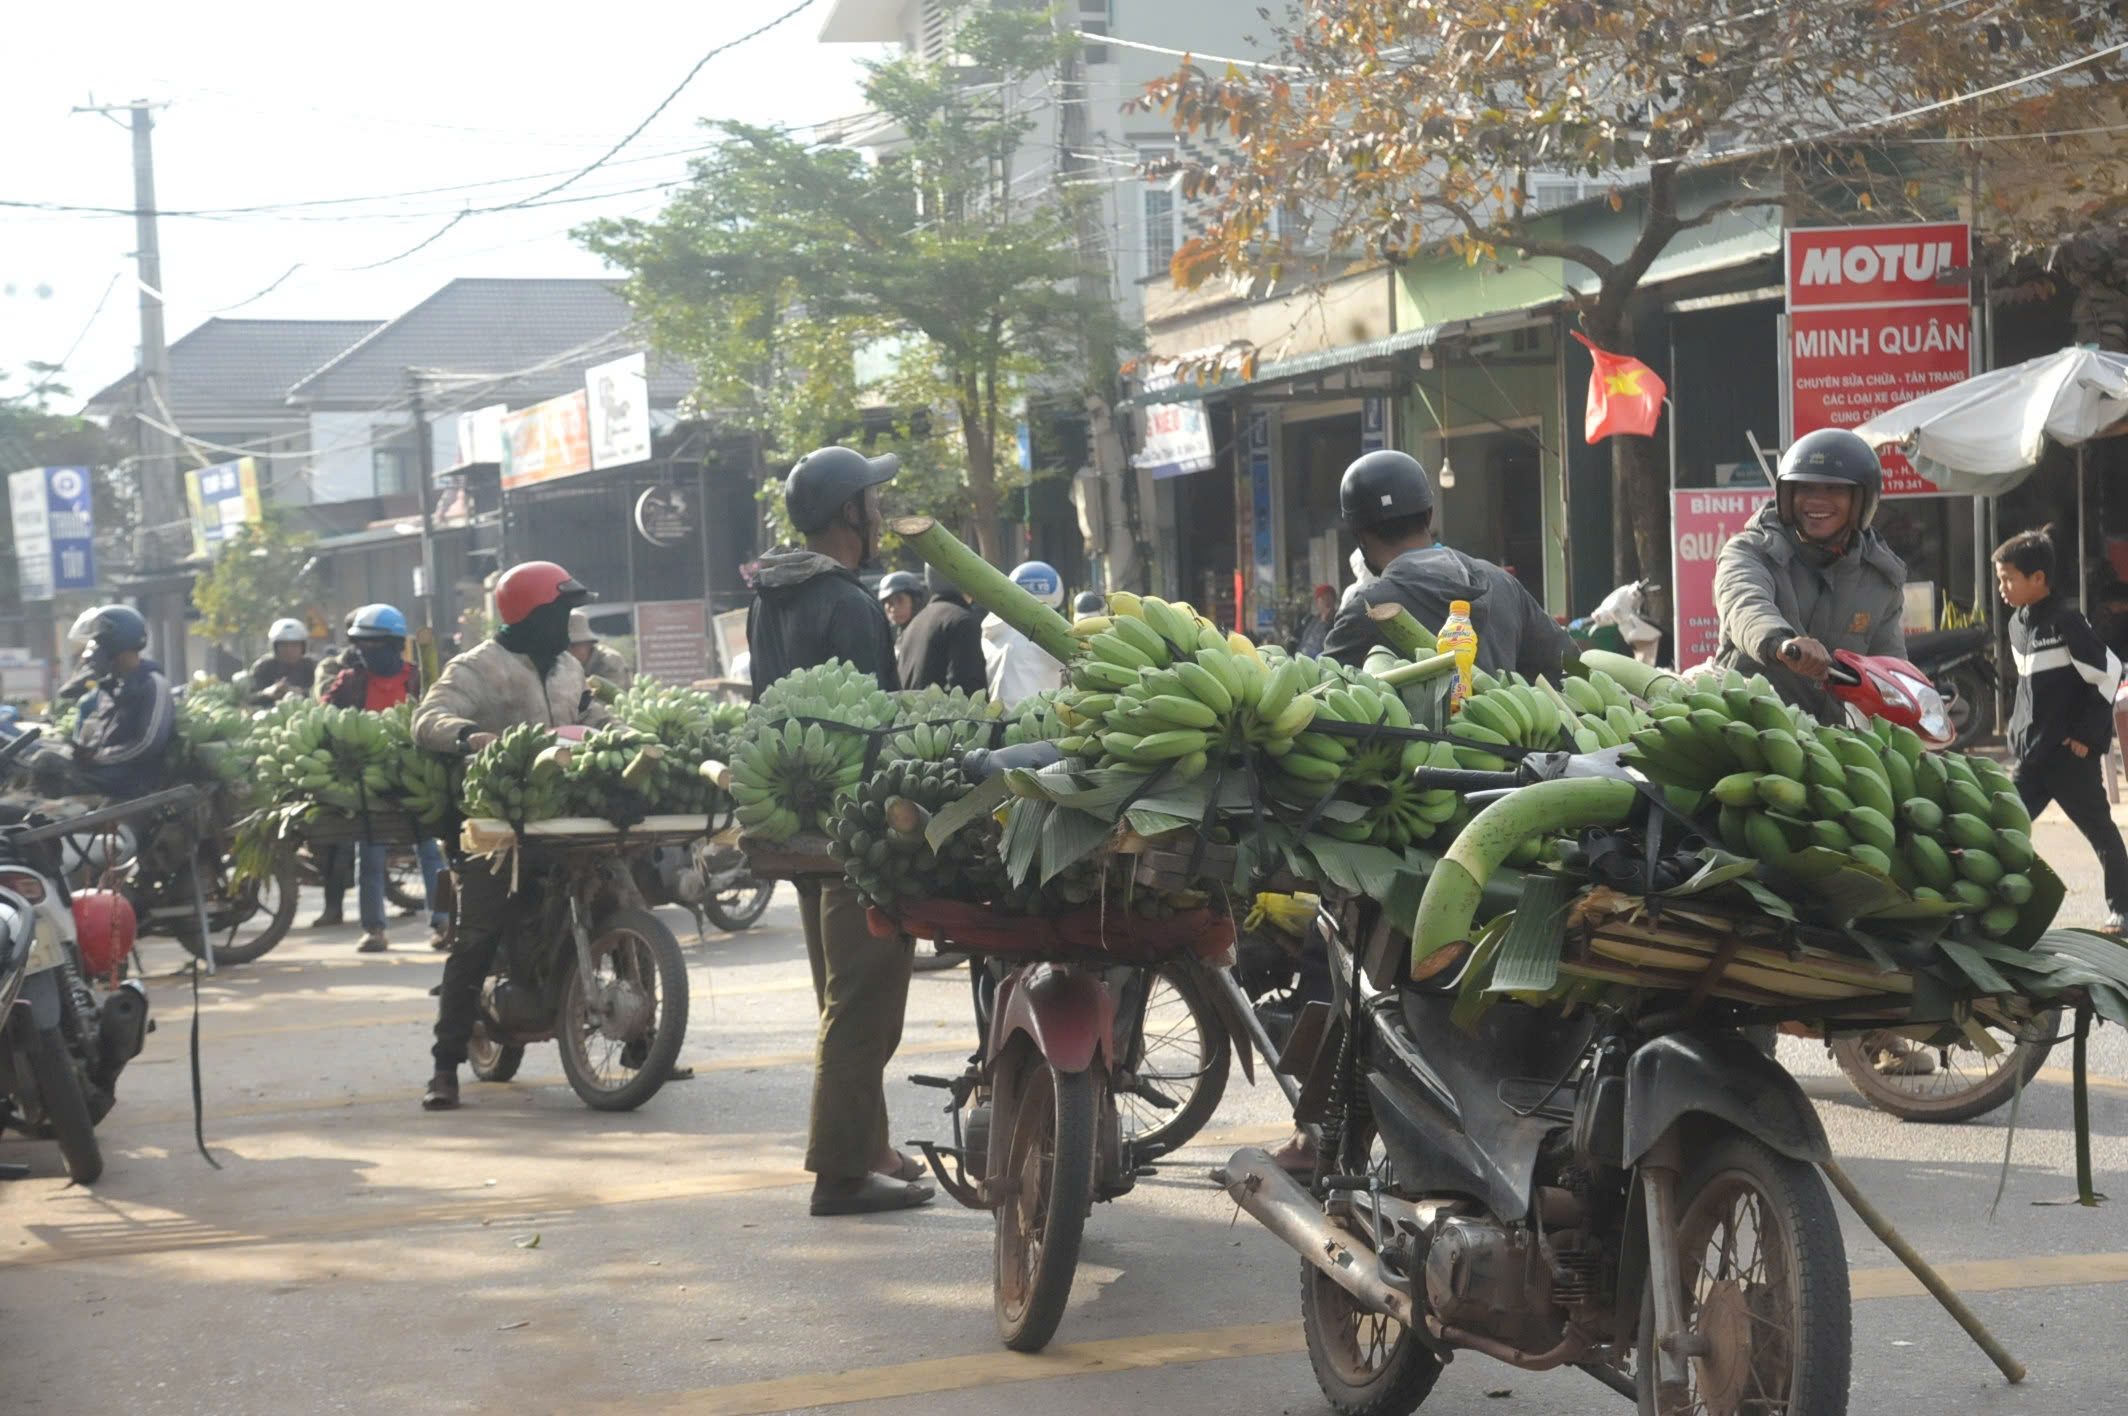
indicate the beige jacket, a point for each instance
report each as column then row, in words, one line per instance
column 488, row 689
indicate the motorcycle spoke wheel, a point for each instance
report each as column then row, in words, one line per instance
column 621, row 1030
column 404, row 888
column 491, row 1059
column 1048, row 1179
column 260, row 911
column 1367, row 1364
column 1184, row 1054
column 1962, row 1084
column 735, row 911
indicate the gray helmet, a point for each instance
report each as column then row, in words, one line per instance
column 901, row 582
column 826, row 478
column 1383, row 485
column 1089, row 603
column 1831, row 457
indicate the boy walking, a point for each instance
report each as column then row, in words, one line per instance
column 2063, row 722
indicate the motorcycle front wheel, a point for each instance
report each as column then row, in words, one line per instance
column 1048, row 1183
column 736, row 911
column 262, row 911
column 65, row 1105
column 620, row 1030
column 1765, row 1284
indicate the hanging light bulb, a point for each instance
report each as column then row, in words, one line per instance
column 1448, row 473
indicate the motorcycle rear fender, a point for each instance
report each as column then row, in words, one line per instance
column 1718, row 1074
column 1068, row 1016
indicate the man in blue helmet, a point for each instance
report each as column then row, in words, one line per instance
column 121, row 742
column 1020, row 668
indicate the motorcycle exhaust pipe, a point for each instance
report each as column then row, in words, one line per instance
column 122, row 1025
column 1278, row 1202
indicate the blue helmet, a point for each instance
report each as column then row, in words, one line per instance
column 377, row 622
column 1040, row 579
column 112, row 628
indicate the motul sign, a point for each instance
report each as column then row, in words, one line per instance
column 1877, row 317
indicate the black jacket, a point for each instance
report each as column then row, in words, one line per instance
column 809, row 608
column 2066, row 679
column 122, row 738
column 943, row 646
column 1514, row 632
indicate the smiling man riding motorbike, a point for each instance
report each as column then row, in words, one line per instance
column 525, row 674
column 1808, row 576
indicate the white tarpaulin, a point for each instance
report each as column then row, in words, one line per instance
column 1983, row 436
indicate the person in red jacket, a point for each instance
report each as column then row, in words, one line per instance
column 377, row 675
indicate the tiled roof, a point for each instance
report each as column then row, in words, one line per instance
column 484, row 327
column 240, row 368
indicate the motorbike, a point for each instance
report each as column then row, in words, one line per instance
column 710, row 876
column 1961, row 664
column 61, row 1047
column 1960, row 1081
column 586, row 964
column 1634, row 1197
column 1620, row 624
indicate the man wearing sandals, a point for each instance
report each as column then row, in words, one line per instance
column 809, row 607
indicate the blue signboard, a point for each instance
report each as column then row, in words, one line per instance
column 54, row 530
column 1266, row 559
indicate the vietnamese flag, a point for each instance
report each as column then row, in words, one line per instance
column 1625, row 395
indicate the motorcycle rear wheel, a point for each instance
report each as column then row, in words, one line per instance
column 271, row 910
column 490, row 1060
column 1963, row 1085
column 736, row 911
column 632, row 949
column 65, row 1105
column 1773, row 1302
column 1049, row 1172
column 404, row 888
column 1184, row 1053
column 1969, row 701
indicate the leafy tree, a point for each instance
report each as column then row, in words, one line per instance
column 257, row 575
column 1395, row 126
column 823, row 297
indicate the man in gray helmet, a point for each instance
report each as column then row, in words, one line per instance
column 1808, row 576
column 1387, row 501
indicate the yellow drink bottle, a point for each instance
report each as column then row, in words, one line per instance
column 1459, row 637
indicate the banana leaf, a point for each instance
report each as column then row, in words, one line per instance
column 1358, row 869
column 1848, row 888
column 1070, row 838
column 1147, row 821
column 1718, row 868
column 1975, row 967
column 1528, row 961
column 2036, row 915
column 1473, row 995
column 1022, row 840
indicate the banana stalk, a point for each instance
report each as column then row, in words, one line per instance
column 990, row 587
column 1405, row 634
column 1633, row 676
column 1543, row 809
column 1430, row 667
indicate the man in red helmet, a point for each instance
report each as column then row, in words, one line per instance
column 525, row 674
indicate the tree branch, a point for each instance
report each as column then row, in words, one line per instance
column 1728, row 204
column 1513, row 235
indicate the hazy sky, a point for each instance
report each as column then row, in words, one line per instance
column 274, row 104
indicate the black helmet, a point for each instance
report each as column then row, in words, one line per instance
column 901, row 582
column 1836, row 457
column 826, row 478
column 1089, row 603
column 1384, row 485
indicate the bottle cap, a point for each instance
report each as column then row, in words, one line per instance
column 1459, row 607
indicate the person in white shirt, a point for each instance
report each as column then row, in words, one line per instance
column 1018, row 668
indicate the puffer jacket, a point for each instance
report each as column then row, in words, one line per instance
column 1770, row 588
column 488, row 689
column 809, row 608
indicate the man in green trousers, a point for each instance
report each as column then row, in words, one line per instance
column 809, row 607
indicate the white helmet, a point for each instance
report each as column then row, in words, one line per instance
column 288, row 631
column 1040, row 579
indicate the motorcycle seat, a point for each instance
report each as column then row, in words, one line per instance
column 1942, row 643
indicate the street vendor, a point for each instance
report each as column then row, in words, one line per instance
column 1388, row 504
column 598, row 660
column 810, row 607
column 1808, row 576
column 525, row 674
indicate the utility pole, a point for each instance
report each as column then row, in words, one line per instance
column 426, row 455
column 154, row 544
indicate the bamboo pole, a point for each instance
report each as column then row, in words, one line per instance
column 1930, row 1279
column 989, row 587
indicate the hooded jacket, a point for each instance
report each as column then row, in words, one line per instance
column 1514, row 632
column 943, row 646
column 809, row 608
column 2066, row 679
column 122, row 738
column 1769, row 587
column 489, row 689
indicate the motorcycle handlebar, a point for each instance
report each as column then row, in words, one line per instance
column 1836, row 672
column 1456, row 779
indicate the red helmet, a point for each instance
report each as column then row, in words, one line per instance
column 103, row 930
column 524, row 588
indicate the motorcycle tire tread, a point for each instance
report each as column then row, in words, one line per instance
column 66, row 1106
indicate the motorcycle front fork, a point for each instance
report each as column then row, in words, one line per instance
column 1674, row 1344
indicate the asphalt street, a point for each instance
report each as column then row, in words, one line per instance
column 526, row 1254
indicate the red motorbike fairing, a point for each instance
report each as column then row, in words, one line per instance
column 1069, row 1016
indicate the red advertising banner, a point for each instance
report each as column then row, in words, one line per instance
column 1875, row 319
column 1702, row 523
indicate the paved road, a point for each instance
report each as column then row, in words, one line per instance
column 528, row 1255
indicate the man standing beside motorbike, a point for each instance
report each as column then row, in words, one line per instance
column 1388, row 504
column 525, row 674
column 1809, row 577
column 810, row 607
column 285, row 670
column 381, row 677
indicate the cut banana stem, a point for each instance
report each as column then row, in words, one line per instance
column 1404, row 633
column 1633, row 676
column 989, row 587
column 1430, row 667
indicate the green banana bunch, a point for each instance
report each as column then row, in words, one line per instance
column 613, row 773
column 517, row 777
column 786, row 774
column 937, row 723
column 877, row 832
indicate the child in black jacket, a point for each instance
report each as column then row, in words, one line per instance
column 2062, row 725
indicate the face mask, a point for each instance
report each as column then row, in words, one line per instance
column 382, row 657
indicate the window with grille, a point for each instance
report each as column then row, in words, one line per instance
column 1159, row 217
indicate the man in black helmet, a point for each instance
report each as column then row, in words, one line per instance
column 1387, row 501
column 943, row 645
column 1808, row 576
column 901, row 595
column 809, row 607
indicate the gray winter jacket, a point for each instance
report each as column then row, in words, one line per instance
column 488, row 689
column 1769, row 588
